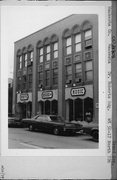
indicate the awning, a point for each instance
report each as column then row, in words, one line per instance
column 81, row 92
column 24, row 97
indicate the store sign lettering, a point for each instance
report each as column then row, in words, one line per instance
column 24, row 97
column 47, row 94
column 78, row 91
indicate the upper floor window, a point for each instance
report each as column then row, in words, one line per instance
column 68, row 45
column 89, row 70
column 68, row 73
column 20, row 62
column 77, row 42
column 88, row 38
column 48, row 53
column 78, row 72
column 25, row 60
column 55, row 76
column 41, row 55
column 47, row 77
column 55, row 50
column 31, row 56
column 40, row 78
column 30, row 81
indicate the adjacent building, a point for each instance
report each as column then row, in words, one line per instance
column 56, row 70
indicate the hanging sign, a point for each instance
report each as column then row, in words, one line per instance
column 24, row 96
column 47, row 94
column 78, row 91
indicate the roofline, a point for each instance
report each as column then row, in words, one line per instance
column 44, row 28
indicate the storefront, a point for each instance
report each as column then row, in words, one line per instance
column 24, row 105
column 79, row 102
column 48, row 102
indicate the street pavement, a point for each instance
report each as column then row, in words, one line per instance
column 22, row 138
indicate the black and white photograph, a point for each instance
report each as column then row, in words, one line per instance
column 56, row 90
column 55, row 86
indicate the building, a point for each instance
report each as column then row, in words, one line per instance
column 10, row 95
column 56, row 70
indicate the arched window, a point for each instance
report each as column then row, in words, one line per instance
column 87, row 29
column 30, row 53
column 67, row 41
column 19, row 58
column 40, row 52
column 47, row 49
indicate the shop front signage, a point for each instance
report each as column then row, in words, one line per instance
column 78, row 91
column 24, row 96
column 47, row 94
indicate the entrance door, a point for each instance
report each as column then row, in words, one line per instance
column 47, row 107
column 88, row 107
column 78, row 109
column 54, row 107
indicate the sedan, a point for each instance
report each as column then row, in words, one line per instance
column 91, row 129
column 51, row 123
column 14, row 121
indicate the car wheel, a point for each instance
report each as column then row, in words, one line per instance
column 95, row 135
column 56, row 131
column 31, row 128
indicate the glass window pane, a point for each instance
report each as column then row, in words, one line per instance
column 68, row 50
column 48, row 57
column 78, row 68
column 89, row 76
column 48, row 49
column 69, row 70
column 78, row 47
column 89, row 65
column 55, row 46
column 41, row 59
column 25, row 56
column 77, row 38
column 68, row 41
column 41, row 51
column 56, row 54
column 88, row 34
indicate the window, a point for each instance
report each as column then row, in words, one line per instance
column 68, row 73
column 68, row 46
column 24, row 82
column 88, row 38
column 55, row 50
column 48, row 53
column 77, row 42
column 40, row 78
column 88, row 71
column 55, row 76
column 31, row 56
column 20, row 62
column 47, row 77
column 25, row 60
column 41, row 55
column 30, row 81
column 78, row 72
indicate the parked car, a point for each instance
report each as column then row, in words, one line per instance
column 14, row 121
column 51, row 123
column 91, row 128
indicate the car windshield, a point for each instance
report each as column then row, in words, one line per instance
column 57, row 118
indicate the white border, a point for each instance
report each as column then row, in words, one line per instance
column 93, row 9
